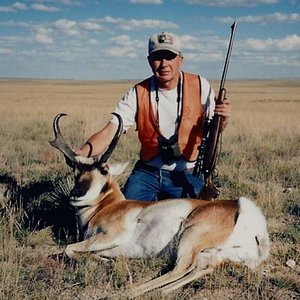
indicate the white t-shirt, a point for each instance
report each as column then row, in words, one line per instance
column 167, row 115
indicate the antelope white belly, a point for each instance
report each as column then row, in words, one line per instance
column 151, row 230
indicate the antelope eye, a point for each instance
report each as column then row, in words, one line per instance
column 103, row 171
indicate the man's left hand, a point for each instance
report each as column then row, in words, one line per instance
column 224, row 109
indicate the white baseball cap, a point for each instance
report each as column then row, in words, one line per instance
column 164, row 41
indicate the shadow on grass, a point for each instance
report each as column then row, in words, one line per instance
column 45, row 203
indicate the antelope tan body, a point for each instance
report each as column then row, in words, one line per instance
column 199, row 234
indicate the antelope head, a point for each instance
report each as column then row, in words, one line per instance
column 91, row 173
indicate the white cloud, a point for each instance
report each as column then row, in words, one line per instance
column 123, row 40
column 14, row 7
column 38, row 6
column 276, row 17
column 112, row 20
column 11, row 41
column 91, row 26
column 42, row 7
column 43, row 39
column 146, row 1
column 199, row 50
column 204, row 57
column 19, row 6
column 202, row 45
column 66, row 26
column 279, row 60
column 284, row 52
column 270, row 58
column 120, row 52
column 68, row 2
column 132, row 24
column 21, row 25
column 5, row 51
column 285, row 18
column 43, row 35
column 93, row 42
column 189, row 42
column 289, row 43
column 124, row 46
column 63, row 55
column 230, row 3
column 126, row 41
column 147, row 23
column 6, row 9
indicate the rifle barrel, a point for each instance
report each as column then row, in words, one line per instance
column 233, row 29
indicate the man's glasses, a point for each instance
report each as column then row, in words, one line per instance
column 161, row 55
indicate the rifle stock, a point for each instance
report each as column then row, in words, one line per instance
column 207, row 157
column 209, row 190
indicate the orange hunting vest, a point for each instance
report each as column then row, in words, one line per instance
column 190, row 124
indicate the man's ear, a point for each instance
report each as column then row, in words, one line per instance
column 181, row 59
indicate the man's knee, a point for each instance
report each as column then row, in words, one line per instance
column 138, row 187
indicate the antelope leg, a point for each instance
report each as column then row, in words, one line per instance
column 98, row 242
column 195, row 274
column 184, row 266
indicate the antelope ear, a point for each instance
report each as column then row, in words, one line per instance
column 117, row 169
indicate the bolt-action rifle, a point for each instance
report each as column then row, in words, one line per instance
column 208, row 150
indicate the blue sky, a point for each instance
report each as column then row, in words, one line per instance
column 107, row 39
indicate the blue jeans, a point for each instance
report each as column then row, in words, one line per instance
column 150, row 183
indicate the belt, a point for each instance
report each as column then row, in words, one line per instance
column 142, row 165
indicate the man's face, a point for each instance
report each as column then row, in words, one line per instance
column 165, row 65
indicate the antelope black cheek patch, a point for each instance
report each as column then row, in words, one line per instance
column 81, row 187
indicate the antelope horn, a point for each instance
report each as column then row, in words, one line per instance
column 59, row 141
column 114, row 141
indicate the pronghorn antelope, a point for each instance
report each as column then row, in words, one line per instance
column 201, row 234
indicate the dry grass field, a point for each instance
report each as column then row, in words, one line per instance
column 260, row 159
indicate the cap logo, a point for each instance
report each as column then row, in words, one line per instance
column 164, row 38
